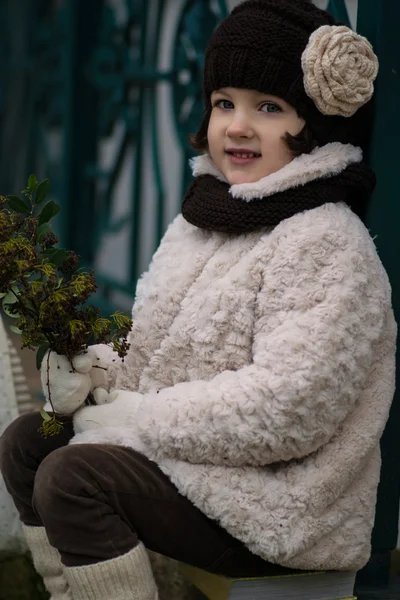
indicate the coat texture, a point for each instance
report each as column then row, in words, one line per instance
column 264, row 368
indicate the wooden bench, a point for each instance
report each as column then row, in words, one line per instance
column 302, row 586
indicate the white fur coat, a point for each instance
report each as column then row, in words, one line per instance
column 264, row 365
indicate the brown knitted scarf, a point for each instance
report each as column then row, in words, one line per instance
column 209, row 205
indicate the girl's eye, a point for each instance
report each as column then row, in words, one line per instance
column 270, row 107
column 225, row 104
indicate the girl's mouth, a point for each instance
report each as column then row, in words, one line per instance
column 243, row 158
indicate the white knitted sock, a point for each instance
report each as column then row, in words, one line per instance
column 47, row 563
column 127, row 577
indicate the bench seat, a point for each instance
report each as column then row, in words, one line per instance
column 313, row 585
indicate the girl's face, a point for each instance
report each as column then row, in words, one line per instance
column 245, row 133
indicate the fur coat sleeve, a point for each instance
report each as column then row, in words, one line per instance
column 319, row 314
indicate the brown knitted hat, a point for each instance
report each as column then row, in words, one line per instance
column 293, row 50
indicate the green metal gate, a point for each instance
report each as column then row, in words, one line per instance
column 100, row 95
column 101, row 99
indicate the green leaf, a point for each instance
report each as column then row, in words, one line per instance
column 30, row 306
column 40, row 355
column 6, row 309
column 48, row 252
column 44, row 415
column 15, row 329
column 18, row 204
column 58, row 257
column 42, row 191
column 10, row 298
column 49, row 211
column 32, row 182
column 42, row 230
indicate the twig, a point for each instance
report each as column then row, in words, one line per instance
column 48, row 381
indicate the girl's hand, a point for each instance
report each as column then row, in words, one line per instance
column 111, row 423
column 119, row 410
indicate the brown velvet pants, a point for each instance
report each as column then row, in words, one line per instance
column 97, row 501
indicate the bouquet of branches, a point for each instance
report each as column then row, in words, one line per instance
column 45, row 291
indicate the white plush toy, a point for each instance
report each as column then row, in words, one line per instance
column 69, row 387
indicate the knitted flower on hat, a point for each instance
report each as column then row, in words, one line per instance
column 340, row 68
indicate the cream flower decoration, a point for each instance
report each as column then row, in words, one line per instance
column 339, row 68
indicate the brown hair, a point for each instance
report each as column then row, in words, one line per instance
column 302, row 143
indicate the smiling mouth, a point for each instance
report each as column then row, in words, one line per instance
column 243, row 154
column 242, row 159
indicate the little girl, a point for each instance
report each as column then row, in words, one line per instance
column 241, row 435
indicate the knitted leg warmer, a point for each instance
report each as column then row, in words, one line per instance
column 47, row 563
column 127, row 577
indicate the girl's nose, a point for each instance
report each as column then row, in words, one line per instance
column 239, row 127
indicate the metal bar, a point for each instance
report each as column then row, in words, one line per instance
column 137, row 187
column 125, row 288
column 223, row 8
column 368, row 20
column 159, row 221
column 68, row 176
column 339, row 11
column 17, row 80
column 105, row 216
column 80, row 129
column 379, row 21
